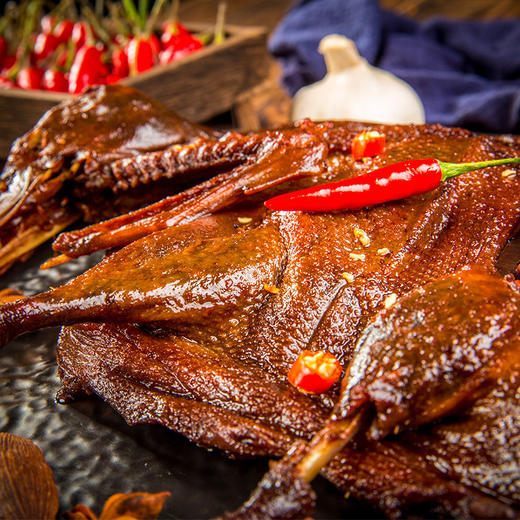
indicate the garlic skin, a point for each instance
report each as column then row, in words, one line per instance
column 355, row 90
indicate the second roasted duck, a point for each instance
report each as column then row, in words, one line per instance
column 194, row 322
column 61, row 170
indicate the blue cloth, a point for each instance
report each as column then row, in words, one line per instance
column 467, row 73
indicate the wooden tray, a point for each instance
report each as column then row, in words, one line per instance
column 198, row 87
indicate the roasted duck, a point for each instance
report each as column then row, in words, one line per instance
column 194, row 321
column 62, row 169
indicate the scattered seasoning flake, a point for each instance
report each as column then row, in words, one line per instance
column 348, row 276
column 245, row 220
column 271, row 288
column 357, row 256
column 383, row 251
column 508, row 173
column 390, row 300
column 362, row 236
column 75, row 167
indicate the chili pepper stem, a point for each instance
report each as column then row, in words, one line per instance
column 220, row 28
column 453, row 169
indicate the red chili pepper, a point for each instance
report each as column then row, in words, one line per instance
column 156, row 46
column 173, row 27
column 47, row 23
column 45, row 45
column 55, row 81
column 3, row 50
column 63, row 30
column 6, row 83
column 367, row 144
column 79, row 34
column 120, row 63
column 392, row 182
column 172, row 34
column 113, row 78
column 140, row 55
column 86, row 69
column 9, row 61
column 174, row 53
column 314, row 372
column 29, row 78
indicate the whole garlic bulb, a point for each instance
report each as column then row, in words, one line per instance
column 355, row 90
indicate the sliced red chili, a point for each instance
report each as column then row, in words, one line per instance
column 392, row 182
column 314, row 372
column 368, row 144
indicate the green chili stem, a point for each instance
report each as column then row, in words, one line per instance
column 133, row 15
column 154, row 16
column 453, row 169
column 220, row 29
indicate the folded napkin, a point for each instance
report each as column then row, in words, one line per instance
column 467, row 73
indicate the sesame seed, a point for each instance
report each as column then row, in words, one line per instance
column 348, row 276
column 271, row 288
column 383, row 251
column 390, row 300
column 508, row 173
column 362, row 237
column 245, row 220
column 357, row 256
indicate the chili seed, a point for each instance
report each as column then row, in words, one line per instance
column 357, row 256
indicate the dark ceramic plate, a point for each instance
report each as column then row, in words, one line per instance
column 95, row 454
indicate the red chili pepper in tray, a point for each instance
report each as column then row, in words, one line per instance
column 6, row 83
column 45, row 45
column 392, row 182
column 141, row 55
column 173, row 34
column 79, row 34
column 120, row 63
column 63, row 30
column 47, row 23
column 174, row 53
column 3, row 50
column 314, row 372
column 86, row 69
column 29, row 78
column 55, row 81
